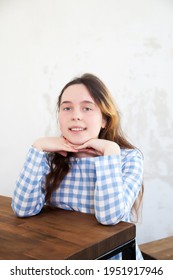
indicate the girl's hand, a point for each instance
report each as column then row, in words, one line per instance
column 54, row 144
column 99, row 147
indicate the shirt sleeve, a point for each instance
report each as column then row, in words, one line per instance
column 118, row 184
column 29, row 194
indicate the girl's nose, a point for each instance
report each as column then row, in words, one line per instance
column 76, row 115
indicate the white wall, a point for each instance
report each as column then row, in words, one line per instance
column 128, row 44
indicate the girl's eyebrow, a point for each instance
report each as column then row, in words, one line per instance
column 84, row 101
column 64, row 102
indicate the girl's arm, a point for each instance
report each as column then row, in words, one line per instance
column 29, row 194
column 118, row 179
column 117, row 186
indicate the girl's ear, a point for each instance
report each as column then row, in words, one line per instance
column 104, row 122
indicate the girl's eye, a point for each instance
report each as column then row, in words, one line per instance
column 66, row 108
column 87, row 109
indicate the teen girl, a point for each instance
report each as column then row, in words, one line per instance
column 90, row 167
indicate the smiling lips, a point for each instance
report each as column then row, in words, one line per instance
column 77, row 128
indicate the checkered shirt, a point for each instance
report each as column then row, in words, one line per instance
column 105, row 186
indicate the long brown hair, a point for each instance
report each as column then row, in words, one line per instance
column 59, row 165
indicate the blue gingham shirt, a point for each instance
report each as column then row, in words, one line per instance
column 106, row 186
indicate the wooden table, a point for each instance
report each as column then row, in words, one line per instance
column 60, row 234
column 161, row 249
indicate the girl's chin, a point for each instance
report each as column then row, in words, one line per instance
column 75, row 142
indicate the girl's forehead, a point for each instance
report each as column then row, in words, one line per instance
column 77, row 92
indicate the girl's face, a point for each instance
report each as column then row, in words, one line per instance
column 79, row 116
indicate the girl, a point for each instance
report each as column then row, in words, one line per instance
column 90, row 168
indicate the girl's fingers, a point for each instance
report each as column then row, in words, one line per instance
column 66, row 149
column 69, row 148
column 84, row 146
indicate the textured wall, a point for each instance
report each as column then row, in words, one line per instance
column 129, row 44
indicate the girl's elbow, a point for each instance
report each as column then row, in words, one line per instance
column 19, row 213
column 109, row 221
column 24, row 213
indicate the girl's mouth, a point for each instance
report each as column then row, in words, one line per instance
column 77, row 129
